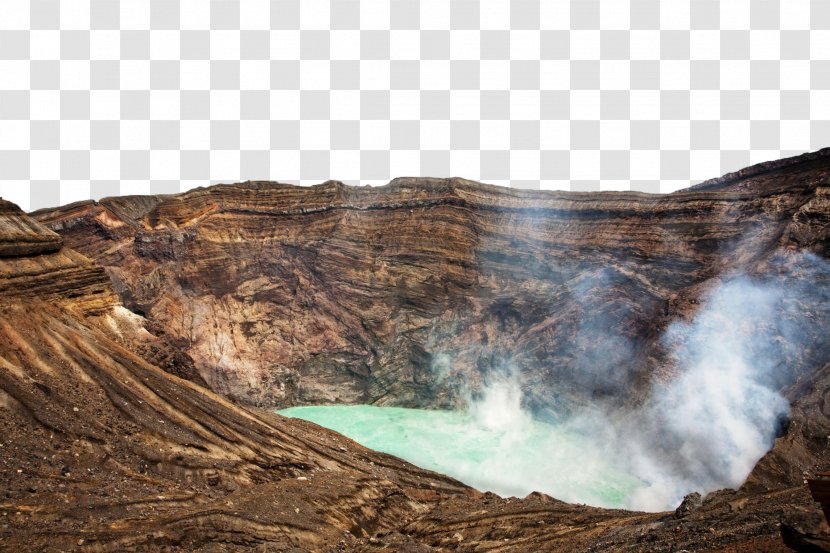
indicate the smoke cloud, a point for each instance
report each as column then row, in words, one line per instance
column 720, row 414
column 702, row 429
column 499, row 406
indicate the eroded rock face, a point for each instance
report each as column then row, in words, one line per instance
column 403, row 294
column 806, row 531
column 100, row 447
column 21, row 235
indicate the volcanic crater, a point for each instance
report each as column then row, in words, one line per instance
column 146, row 341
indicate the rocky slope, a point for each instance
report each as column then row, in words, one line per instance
column 272, row 295
column 100, row 449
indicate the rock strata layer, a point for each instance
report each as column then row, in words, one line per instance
column 271, row 295
column 407, row 293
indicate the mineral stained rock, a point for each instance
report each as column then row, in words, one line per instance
column 117, row 316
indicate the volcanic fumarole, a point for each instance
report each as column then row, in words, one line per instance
column 702, row 430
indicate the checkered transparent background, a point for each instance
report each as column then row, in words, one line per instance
column 103, row 97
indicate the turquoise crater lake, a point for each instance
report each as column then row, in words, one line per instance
column 508, row 457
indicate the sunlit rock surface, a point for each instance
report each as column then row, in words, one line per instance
column 102, row 448
column 276, row 295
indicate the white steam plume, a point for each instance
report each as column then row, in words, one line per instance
column 702, row 430
column 719, row 416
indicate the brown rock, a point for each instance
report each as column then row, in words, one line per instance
column 806, row 531
column 690, row 503
column 405, row 293
column 22, row 236
column 278, row 294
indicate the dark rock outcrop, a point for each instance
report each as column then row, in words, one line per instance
column 806, row 531
column 690, row 503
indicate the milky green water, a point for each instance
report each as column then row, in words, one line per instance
column 508, row 457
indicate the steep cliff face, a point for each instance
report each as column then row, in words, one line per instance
column 277, row 294
column 403, row 294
